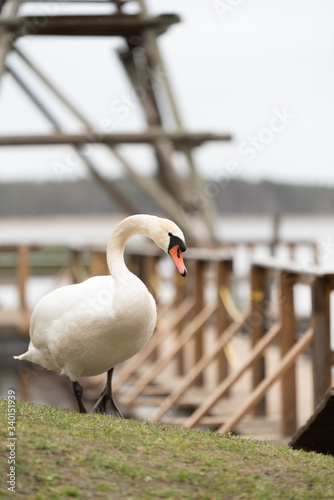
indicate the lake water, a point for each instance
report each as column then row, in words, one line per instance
column 88, row 230
column 77, row 231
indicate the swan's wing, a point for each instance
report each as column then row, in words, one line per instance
column 63, row 307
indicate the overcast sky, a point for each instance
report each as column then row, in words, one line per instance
column 261, row 70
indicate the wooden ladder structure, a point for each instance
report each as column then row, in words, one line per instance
column 142, row 62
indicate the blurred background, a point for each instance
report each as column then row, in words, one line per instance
column 217, row 114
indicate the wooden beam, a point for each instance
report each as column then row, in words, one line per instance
column 304, row 274
column 93, row 25
column 150, row 136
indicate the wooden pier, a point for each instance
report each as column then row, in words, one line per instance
column 208, row 364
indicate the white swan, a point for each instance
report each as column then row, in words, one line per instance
column 86, row 329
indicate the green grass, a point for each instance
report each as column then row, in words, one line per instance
column 61, row 455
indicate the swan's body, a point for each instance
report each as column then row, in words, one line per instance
column 86, row 329
column 83, row 330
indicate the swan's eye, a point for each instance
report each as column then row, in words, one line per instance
column 175, row 240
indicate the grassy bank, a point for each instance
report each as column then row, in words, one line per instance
column 62, row 454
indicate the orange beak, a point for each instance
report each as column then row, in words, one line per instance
column 177, row 257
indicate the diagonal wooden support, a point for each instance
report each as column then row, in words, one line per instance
column 284, row 365
column 132, row 365
column 187, row 334
column 226, row 384
column 199, row 368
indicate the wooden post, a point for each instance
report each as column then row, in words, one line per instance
column 275, row 236
column 292, row 248
column 315, row 253
column 223, row 320
column 257, row 327
column 22, row 276
column 150, row 276
column 199, row 288
column 321, row 350
column 23, row 273
column 134, row 264
column 75, row 265
column 288, row 338
column 98, row 264
column 148, row 265
column 180, row 295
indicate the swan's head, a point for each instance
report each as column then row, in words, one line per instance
column 165, row 233
column 169, row 237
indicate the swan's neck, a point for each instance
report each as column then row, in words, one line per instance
column 129, row 227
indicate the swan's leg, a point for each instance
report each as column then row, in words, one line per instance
column 106, row 404
column 78, row 390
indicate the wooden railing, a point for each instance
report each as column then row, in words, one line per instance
column 196, row 324
column 263, row 276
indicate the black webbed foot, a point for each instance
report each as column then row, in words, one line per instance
column 78, row 391
column 106, row 404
